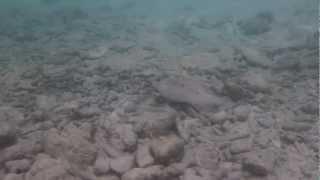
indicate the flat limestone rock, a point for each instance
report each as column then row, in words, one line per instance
column 18, row 166
column 254, row 57
column 155, row 123
column 149, row 173
column 101, row 165
column 71, row 144
column 14, row 177
column 143, row 156
column 187, row 90
column 122, row 164
column 46, row 168
column 167, row 149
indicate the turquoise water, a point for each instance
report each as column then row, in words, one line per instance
column 170, row 28
column 167, row 8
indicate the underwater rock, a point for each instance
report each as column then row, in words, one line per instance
column 108, row 177
column 23, row 149
column 240, row 146
column 239, row 130
column 256, row 82
column 11, row 115
column 309, row 59
column 167, row 149
column 207, row 156
column 255, row 165
column 95, row 71
column 47, row 168
column 8, row 134
column 122, row 164
column 155, row 122
column 123, row 137
column 242, row 112
column 149, row 173
column 189, row 128
column 96, row 53
column 259, row 24
column 103, row 143
column 18, row 166
column 296, row 60
column 189, row 91
column 71, row 144
column 86, row 112
column 174, row 170
column 221, row 117
column 201, row 61
column 310, row 108
column 121, row 46
column 296, row 126
column 254, row 57
column 2, row 174
column 102, row 164
column 143, row 156
column 191, row 174
column 181, row 32
column 12, row 176
column 46, row 103
column 235, row 91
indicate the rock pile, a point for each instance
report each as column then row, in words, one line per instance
column 252, row 115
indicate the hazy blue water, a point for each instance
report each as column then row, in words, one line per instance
column 28, row 15
column 169, row 8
